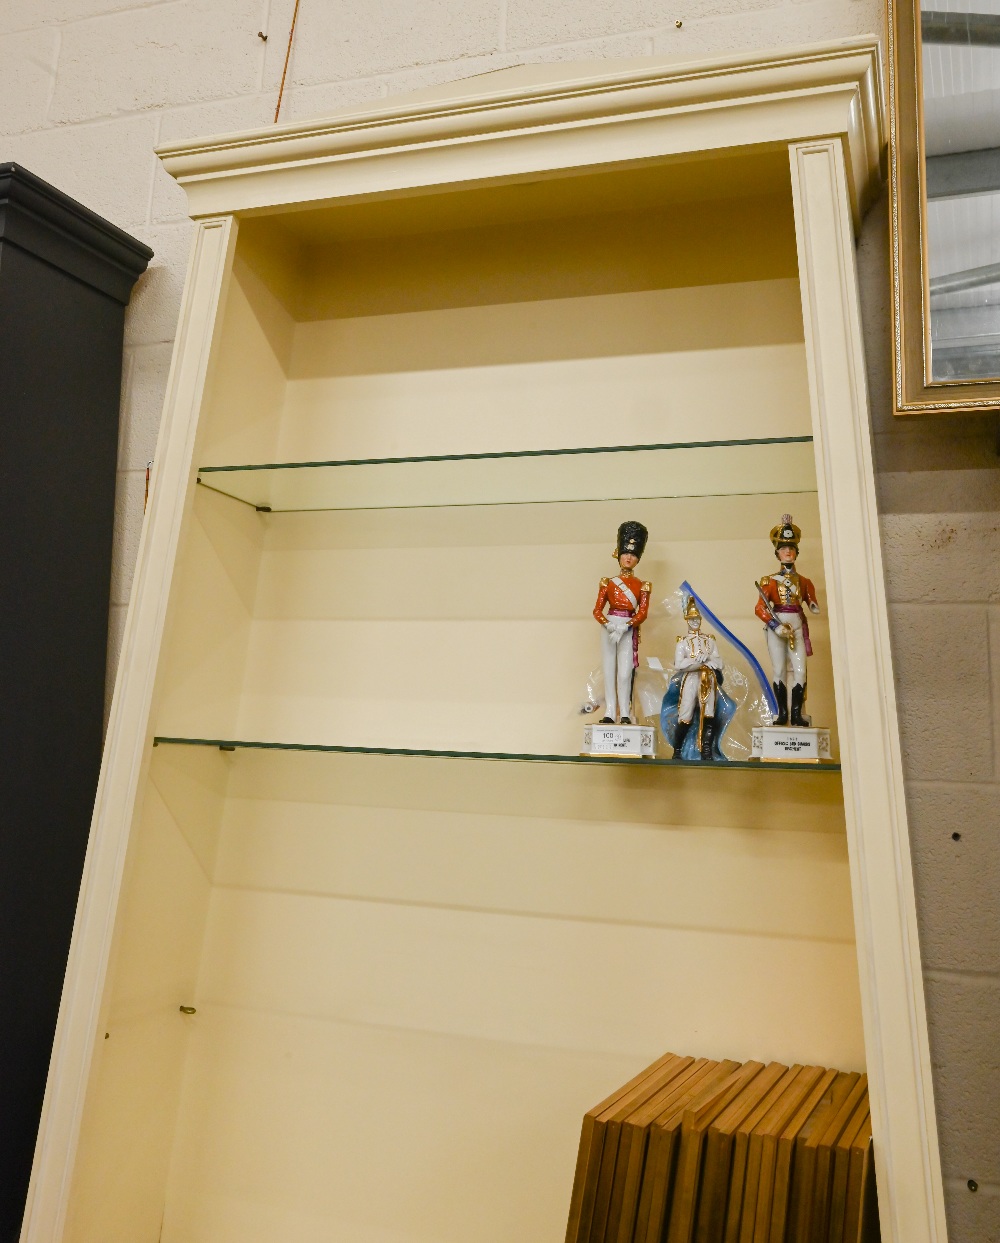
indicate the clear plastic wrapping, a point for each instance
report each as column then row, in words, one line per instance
column 744, row 697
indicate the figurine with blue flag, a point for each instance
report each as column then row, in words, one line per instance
column 715, row 694
column 695, row 709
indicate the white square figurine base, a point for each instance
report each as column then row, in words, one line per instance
column 795, row 743
column 634, row 740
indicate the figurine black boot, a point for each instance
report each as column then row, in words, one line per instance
column 707, row 736
column 798, row 703
column 781, row 696
column 679, row 736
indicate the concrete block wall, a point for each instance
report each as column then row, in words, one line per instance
column 88, row 89
column 938, row 485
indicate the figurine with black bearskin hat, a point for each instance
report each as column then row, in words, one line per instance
column 626, row 598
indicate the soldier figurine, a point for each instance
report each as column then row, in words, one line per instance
column 783, row 598
column 699, row 666
column 628, row 601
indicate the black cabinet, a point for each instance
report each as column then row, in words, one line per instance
column 65, row 279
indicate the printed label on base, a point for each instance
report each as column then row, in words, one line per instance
column 618, row 740
column 795, row 743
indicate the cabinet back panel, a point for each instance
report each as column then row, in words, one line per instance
column 454, row 647
column 295, row 1128
column 532, row 980
column 648, row 367
column 785, row 881
column 572, row 250
column 412, row 987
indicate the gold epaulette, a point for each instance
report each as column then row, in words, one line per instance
column 765, row 580
column 605, row 581
column 647, row 587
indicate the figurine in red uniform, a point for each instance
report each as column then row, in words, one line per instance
column 783, row 598
column 627, row 599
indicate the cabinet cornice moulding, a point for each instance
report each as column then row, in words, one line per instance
column 584, row 118
column 55, row 228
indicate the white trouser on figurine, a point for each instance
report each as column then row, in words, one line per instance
column 690, row 694
column 616, row 648
column 783, row 655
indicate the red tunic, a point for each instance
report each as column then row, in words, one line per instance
column 776, row 589
column 771, row 585
column 621, row 606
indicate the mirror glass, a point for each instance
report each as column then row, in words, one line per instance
column 961, row 116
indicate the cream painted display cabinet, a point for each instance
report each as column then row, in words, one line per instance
column 361, row 936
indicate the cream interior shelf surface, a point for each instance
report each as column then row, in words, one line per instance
column 621, row 472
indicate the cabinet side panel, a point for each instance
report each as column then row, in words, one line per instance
column 126, row 754
column 911, row 1202
column 129, row 1119
column 247, row 389
column 206, row 643
column 199, row 685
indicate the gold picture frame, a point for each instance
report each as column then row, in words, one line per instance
column 914, row 389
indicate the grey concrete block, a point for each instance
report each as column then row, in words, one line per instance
column 116, row 633
column 108, row 168
column 129, row 498
column 972, row 491
column 611, row 48
column 339, row 40
column 140, row 418
column 956, row 882
column 25, row 14
column 304, row 102
column 424, row 77
column 775, row 26
column 916, row 445
column 994, row 631
column 29, row 61
column 943, row 692
column 973, row 1216
column 942, row 558
column 217, row 116
column 157, row 56
column 963, row 1017
column 537, row 23
column 151, row 317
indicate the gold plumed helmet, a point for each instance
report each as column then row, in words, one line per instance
column 786, row 532
column 692, row 609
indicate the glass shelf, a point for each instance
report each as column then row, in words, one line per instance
column 233, row 744
column 554, row 476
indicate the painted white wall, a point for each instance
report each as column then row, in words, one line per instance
column 89, row 87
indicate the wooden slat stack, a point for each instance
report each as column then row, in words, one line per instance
column 698, row 1151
